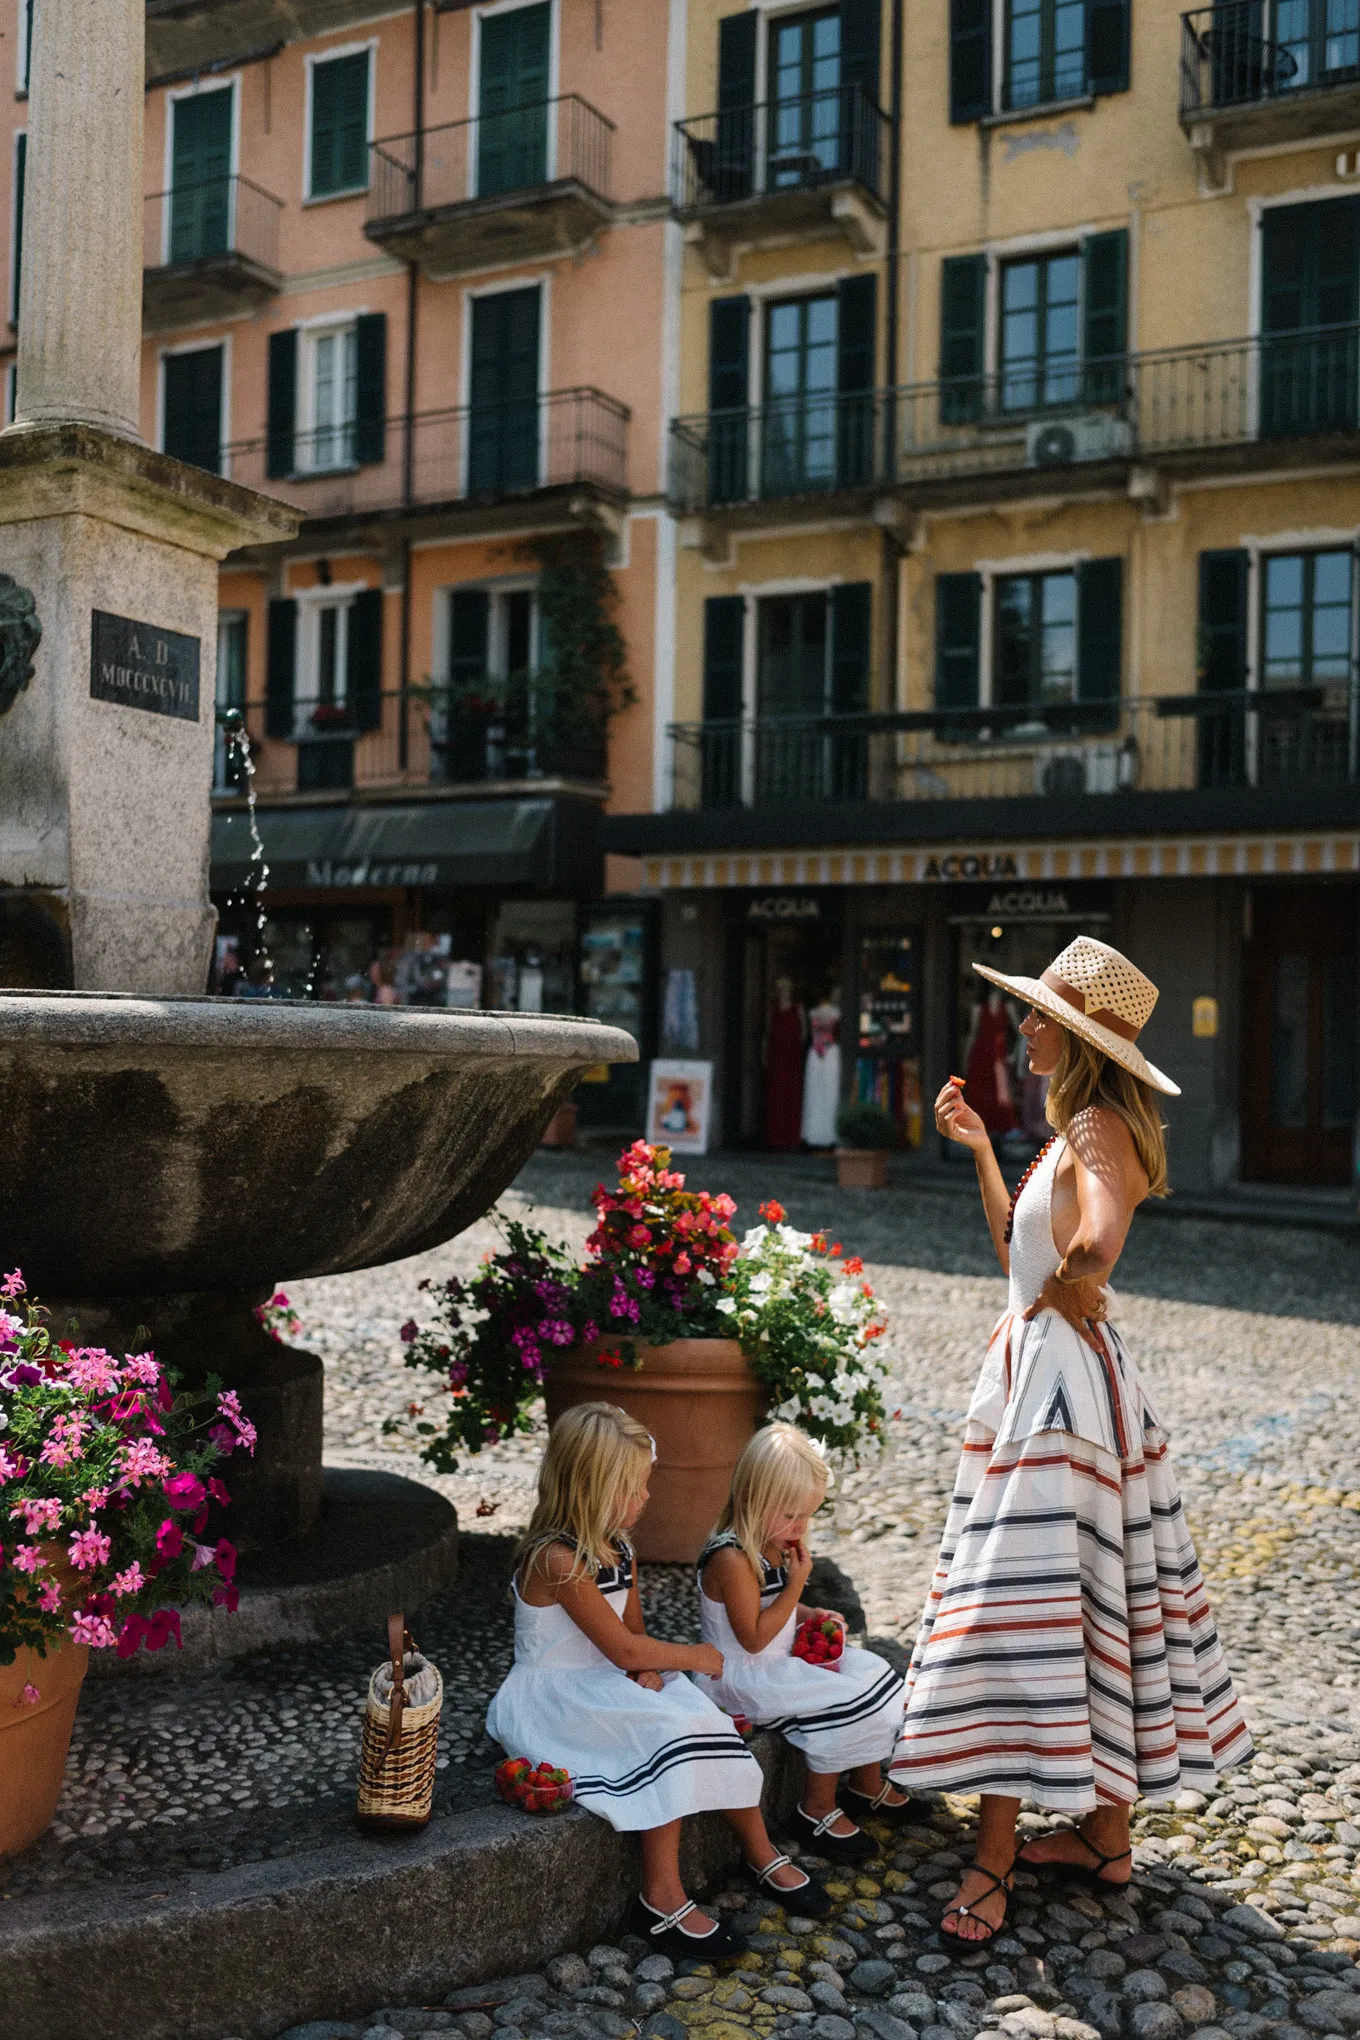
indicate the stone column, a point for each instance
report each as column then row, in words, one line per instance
column 80, row 293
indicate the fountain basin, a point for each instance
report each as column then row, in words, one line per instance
column 168, row 1160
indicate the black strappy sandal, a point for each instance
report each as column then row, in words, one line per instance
column 969, row 1911
column 816, row 1837
column 874, row 1806
column 664, row 1934
column 809, row 1900
column 1084, row 1873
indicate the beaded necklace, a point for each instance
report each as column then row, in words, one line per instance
column 1019, row 1188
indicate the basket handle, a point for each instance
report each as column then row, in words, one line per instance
column 399, row 1641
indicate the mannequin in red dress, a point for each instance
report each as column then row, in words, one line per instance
column 988, row 1070
column 784, row 1069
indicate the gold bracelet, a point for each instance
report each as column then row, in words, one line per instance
column 1058, row 1275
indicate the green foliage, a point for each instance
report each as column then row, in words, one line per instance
column 861, row 1125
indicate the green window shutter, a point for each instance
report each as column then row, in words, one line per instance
column 29, row 6
column 1105, row 262
column 192, row 408
column 861, row 40
column 200, row 160
column 339, row 159
column 282, row 403
column 513, row 79
column 1221, row 649
column 20, row 165
column 851, row 622
column 734, row 154
column 1107, row 46
column 963, row 337
column 1100, row 629
column 729, row 332
column 370, row 403
column 363, row 660
column 469, row 626
column 724, row 638
column 856, row 350
column 503, row 425
column 970, row 60
column 958, row 639
column 281, row 673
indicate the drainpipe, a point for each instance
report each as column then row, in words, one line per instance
column 408, row 446
column 892, row 547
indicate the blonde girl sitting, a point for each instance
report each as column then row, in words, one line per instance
column 589, row 1689
column 751, row 1573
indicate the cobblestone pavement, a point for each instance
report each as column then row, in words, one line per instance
column 1244, row 1915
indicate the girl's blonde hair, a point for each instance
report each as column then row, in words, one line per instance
column 1086, row 1076
column 597, row 1458
column 779, row 1469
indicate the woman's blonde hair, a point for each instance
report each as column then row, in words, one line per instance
column 1085, row 1075
column 597, row 1458
column 779, row 1469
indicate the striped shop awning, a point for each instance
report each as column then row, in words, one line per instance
column 1229, row 856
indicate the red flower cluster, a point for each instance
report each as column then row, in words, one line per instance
column 541, row 1788
column 819, row 1643
column 659, row 1246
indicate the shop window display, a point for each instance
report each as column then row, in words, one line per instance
column 531, row 957
column 888, row 1064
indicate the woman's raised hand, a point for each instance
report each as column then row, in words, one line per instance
column 958, row 1121
column 705, row 1658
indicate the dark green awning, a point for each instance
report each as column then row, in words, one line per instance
column 552, row 842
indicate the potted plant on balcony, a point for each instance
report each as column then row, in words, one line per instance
column 866, row 1135
column 330, row 716
column 694, row 1336
column 106, row 1483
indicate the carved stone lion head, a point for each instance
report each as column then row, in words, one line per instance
column 20, row 636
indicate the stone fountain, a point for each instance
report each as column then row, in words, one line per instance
column 168, row 1157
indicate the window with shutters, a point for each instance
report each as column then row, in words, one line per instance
column 513, row 84
column 199, row 220
column 1045, row 45
column 812, row 666
column 328, row 392
column 192, row 390
column 1009, row 56
column 339, row 90
column 324, row 706
column 1048, row 330
column 1039, row 338
column 804, row 92
column 800, row 395
column 1035, row 658
column 484, row 718
column 1307, row 613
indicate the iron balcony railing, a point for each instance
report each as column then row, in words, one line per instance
column 551, row 141
column 1187, row 400
column 429, row 736
column 1303, row 736
column 478, row 453
column 220, row 217
column 1247, row 51
column 817, row 138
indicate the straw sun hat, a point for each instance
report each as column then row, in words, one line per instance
column 1095, row 992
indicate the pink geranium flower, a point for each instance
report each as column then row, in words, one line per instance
column 131, row 1581
column 38, row 1515
column 89, row 1548
column 49, row 1599
column 13, row 1284
column 142, row 1368
column 96, row 1630
column 28, row 1559
column 29, row 1697
column 93, row 1369
column 140, row 1460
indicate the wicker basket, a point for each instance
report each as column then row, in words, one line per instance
column 396, row 1762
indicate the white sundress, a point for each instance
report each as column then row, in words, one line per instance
column 637, row 1758
column 1067, row 1653
column 839, row 1715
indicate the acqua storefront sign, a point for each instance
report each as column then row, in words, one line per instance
column 953, row 866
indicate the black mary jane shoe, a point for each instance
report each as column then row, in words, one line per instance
column 816, row 1837
column 808, row 1901
column 970, row 1911
column 875, row 1806
column 664, row 1935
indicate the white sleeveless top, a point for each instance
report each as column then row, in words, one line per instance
column 1034, row 1257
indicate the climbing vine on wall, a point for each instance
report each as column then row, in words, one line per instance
column 583, row 656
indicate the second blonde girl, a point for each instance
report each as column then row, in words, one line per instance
column 845, row 1717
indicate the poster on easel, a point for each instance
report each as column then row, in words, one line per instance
column 679, row 1098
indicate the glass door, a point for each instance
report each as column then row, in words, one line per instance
column 804, row 95
column 800, row 396
column 1310, row 302
column 1299, row 1036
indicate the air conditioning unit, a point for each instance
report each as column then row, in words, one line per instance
column 1093, row 435
column 1061, row 770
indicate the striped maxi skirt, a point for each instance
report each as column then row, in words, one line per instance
column 1067, row 1653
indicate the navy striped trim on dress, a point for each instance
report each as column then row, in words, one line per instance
column 857, row 1708
column 690, row 1749
column 774, row 1578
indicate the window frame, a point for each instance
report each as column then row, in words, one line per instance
column 305, row 429
column 1003, row 107
column 474, row 99
column 339, row 595
column 1309, row 553
column 1041, row 258
column 1036, row 577
column 312, row 61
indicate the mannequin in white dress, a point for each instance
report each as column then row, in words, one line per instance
column 822, row 1072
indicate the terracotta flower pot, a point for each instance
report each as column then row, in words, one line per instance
column 701, row 1403
column 34, row 1739
column 862, row 1168
column 560, row 1131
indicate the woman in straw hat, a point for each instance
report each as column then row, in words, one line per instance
column 1067, row 1653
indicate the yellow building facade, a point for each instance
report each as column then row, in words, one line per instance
column 1018, row 486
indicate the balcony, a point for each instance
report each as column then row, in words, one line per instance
column 520, row 186
column 1176, row 760
column 1235, row 406
column 1257, row 72
column 209, row 251
column 789, row 169
column 473, row 468
column 458, row 740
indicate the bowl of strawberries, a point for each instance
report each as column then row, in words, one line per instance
column 819, row 1641
column 534, row 1788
